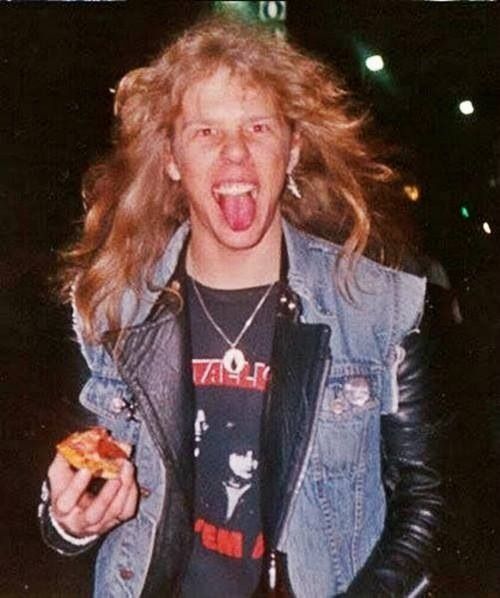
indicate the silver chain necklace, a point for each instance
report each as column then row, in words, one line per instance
column 234, row 359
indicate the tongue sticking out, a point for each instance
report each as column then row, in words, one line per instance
column 238, row 210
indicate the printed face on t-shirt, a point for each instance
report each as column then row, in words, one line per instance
column 243, row 465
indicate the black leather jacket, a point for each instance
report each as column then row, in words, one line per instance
column 401, row 563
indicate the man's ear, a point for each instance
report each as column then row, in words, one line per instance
column 293, row 160
column 172, row 169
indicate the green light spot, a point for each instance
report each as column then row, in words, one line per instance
column 246, row 10
column 464, row 212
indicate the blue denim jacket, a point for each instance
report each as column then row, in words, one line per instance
column 337, row 509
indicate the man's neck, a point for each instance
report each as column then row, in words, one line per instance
column 221, row 268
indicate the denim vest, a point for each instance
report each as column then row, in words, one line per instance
column 338, row 507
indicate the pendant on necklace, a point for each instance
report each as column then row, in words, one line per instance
column 233, row 361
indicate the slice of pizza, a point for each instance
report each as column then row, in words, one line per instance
column 94, row 449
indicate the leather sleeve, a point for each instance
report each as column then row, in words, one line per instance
column 400, row 564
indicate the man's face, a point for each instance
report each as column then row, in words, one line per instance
column 231, row 150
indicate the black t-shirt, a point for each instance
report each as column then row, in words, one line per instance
column 228, row 549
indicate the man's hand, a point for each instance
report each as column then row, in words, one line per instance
column 82, row 513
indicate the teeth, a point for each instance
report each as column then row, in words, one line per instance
column 235, row 188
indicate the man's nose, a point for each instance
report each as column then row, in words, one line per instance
column 235, row 148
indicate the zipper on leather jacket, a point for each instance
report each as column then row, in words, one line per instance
column 305, row 460
column 399, row 355
column 271, row 571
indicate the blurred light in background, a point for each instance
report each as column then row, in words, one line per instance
column 464, row 212
column 486, row 228
column 272, row 10
column 269, row 12
column 374, row 63
column 466, row 107
column 412, row 192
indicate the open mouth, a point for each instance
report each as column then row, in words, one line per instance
column 238, row 203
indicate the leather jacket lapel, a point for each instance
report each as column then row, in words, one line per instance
column 299, row 367
column 153, row 360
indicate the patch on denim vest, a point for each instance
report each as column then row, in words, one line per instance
column 357, row 391
column 349, row 393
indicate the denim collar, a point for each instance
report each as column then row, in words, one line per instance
column 301, row 253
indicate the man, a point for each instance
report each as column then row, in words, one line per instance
column 203, row 311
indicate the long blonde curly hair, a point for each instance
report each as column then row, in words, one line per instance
column 133, row 207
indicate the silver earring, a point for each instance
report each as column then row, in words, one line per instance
column 291, row 185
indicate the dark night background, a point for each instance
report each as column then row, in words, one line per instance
column 57, row 63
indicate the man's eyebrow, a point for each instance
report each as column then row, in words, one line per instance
column 209, row 122
column 260, row 118
column 198, row 122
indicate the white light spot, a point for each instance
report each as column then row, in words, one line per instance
column 466, row 107
column 486, row 228
column 272, row 10
column 374, row 63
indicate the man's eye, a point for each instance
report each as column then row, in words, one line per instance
column 206, row 132
column 260, row 128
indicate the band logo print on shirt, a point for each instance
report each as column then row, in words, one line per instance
column 211, row 372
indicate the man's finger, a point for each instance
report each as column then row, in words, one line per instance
column 111, row 519
column 127, row 471
column 69, row 497
column 97, row 509
column 127, row 477
column 130, row 505
column 60, row 475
